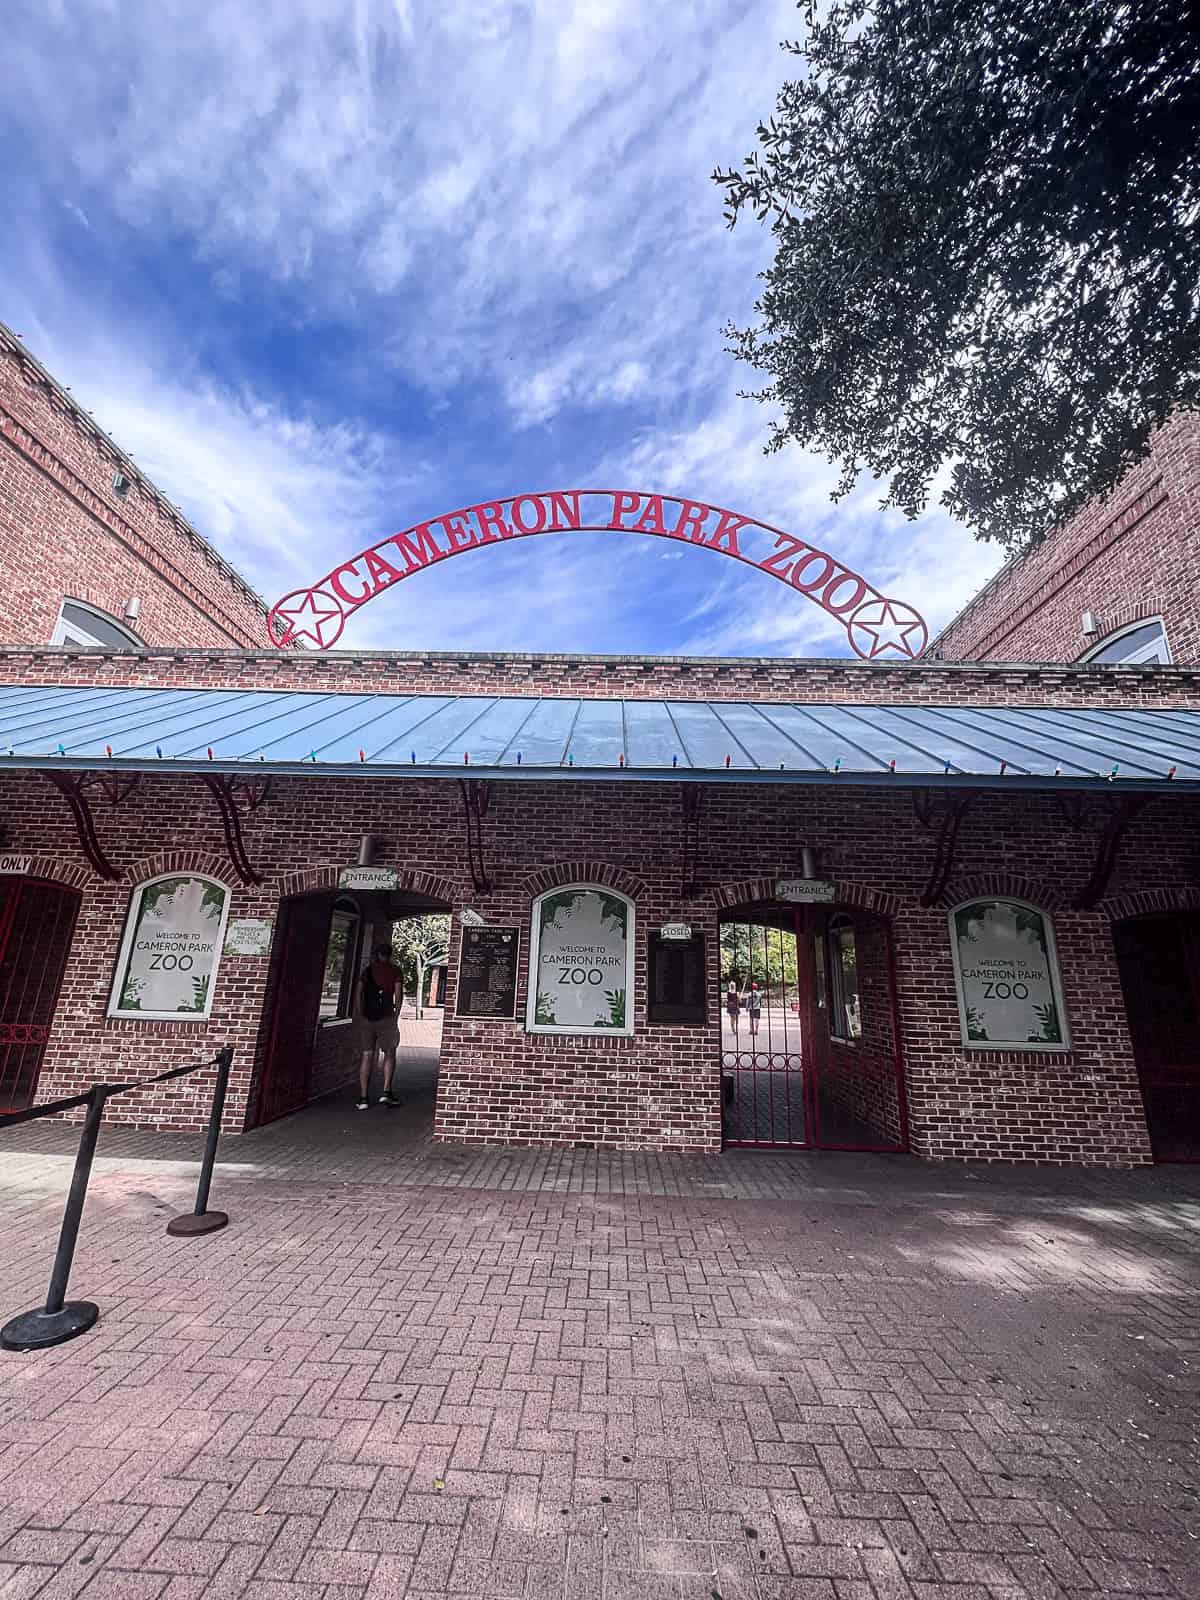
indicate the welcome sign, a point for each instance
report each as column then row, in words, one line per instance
column 174, row 934
column 876, row 625
column 581, row 963
column 1007, row 971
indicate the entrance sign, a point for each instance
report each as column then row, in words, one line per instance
column 368, row 878
column 487, row 973
column 811, row 891
column 877, row 627
column 581, row 962
column 249, row 936
column 169, row 956
column 1006, row 967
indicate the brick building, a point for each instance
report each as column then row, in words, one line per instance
column 91, row 553
column 1118, row 582
column 957, row 903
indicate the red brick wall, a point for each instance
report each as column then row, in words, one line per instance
column 598, row 677
column 65, row 533
column 1134, row 555
column 660, row 1088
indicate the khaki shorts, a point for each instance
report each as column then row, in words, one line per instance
column 382, row 1034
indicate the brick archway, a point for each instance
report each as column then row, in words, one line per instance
column 1122, row 906
column 728, row 896
column 55, row 870
column 314, row 880
column 1003, row 886
column 597, row 872
column 165, row 861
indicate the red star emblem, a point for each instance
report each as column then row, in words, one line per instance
column 880, row 626
column 306, row 614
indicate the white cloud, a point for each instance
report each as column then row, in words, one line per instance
column 436, row 253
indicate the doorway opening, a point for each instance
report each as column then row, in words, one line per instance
column 37, row 923
column 311, row 1047
column 1158, row 957
column 810, row 1053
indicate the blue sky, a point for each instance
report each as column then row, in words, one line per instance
column 327, row 269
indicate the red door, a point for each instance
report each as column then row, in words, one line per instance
column 37, row 921
column 300, row 963
column 1159, row 960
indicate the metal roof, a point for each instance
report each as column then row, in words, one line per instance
column 510, row 736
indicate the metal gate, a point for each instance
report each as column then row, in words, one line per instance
column 764, row 1071
column 37, row 921
column 810, row 1047
column 300, row 962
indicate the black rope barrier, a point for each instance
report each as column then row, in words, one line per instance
column 61, row 1319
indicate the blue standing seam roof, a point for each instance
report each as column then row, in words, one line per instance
column 550, row 736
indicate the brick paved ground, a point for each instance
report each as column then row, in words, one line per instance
column 413, row 1370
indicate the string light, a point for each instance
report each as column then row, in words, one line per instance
column 108, row 750
column 466, row 758
column 312, row 755
column 412, row 756
column 837, row 765
column 62, row 749
column 362, row 755
column 1003, row 768
column 621, row 759
column 518, row 758
column 210, row 754
column 158, row 751
column 727, row 761
column 674, row 761
column 892, row 764
column 1116, row 767
column 1171, row 773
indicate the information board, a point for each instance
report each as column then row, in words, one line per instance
column 487, row 972
column 675, row 990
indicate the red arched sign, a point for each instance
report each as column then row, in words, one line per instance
column 875, row 624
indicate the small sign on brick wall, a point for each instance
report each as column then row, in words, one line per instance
column 249, row 936
column 806, row 890
column 368, row 878
column 17, row 864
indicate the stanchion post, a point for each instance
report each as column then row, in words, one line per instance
column 200, row 1219
column 61, row 1319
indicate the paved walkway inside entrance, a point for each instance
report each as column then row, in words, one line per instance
column 429, row 1371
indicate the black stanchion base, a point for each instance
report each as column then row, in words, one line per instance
column 38, row 1330
column 188, row 1224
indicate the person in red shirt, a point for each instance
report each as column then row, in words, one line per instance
column 375, row 1022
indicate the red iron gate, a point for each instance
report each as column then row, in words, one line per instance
column 37, row 922
column 810, row 1051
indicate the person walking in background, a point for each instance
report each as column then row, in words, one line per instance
column 375, row 1022
column 733, row 1004
column 754, row 1007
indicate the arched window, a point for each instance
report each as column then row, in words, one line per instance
column 87, row 625
column 1006, row 969
column 845, row 1010
column 581, row 962
column 1140, row 641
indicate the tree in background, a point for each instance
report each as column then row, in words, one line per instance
column 753, row 951
column 422, row 943
column 987, row 257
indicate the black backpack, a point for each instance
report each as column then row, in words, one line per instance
column 376, row 1002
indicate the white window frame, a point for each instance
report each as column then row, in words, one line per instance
column 1140, row 657
column 1056, row 987
column 115, row 1008
column 535, row 956
column 68, row 633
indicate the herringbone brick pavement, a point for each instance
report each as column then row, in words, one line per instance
column 882, row 1382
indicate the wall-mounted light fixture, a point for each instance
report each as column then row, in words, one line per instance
column 808, row 862
column 133, row 608
column 368, row 849
column 1088, row 623
column 121, row 484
